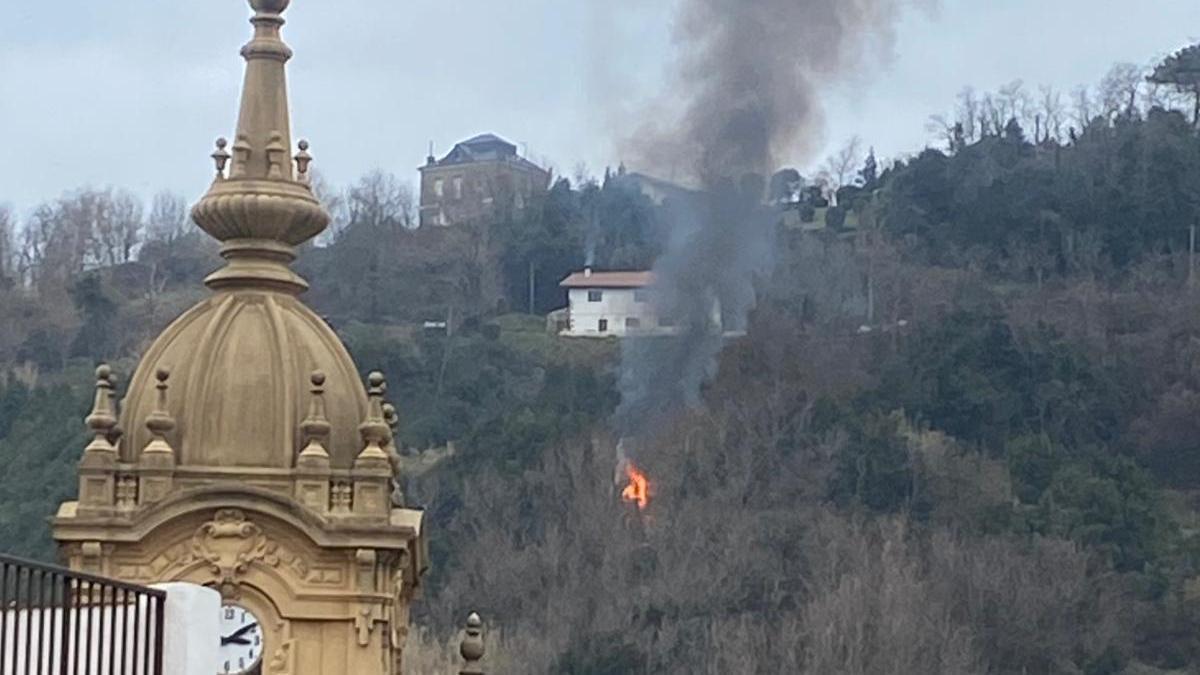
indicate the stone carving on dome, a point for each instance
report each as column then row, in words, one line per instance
column 243, row 544
column 229, row 543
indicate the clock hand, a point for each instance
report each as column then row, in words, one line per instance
column 243, row 630
column 236, row 637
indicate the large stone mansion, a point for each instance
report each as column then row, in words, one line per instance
column 480, row 179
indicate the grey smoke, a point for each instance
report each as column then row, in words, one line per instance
column 748, row 89
column 746, row 97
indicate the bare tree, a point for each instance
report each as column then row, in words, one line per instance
column 1051, row 113
column 1084, row 106
column 334, row 202
column 80, row 230
column 967, row 113
column 168, row 218
column 991, row 116
column 54, row 245
column 8, row 225
column 124, row 221
column 1013, row 103
column 33, row 248
column 1120, row 88
column 944, row 129
column 839, row 167
column 379, row 199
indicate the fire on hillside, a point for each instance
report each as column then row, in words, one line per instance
column 637, row 490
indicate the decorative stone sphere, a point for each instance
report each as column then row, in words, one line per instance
column 270, row 6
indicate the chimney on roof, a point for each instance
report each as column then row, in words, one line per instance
column 587, row 272
column 430, row 160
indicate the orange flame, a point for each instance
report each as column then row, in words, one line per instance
column 638, row 489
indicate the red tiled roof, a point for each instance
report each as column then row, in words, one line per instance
column 609, row 280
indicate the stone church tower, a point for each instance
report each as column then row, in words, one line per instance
column 247, row 454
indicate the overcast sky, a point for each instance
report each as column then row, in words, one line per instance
column 131, row 93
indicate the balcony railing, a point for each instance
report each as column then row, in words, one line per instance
column 57, row 622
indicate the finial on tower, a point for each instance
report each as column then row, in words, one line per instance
column 221, row 157
column 263, row 208
column 270, row 6
column 315, row 426
column 374, row 428
column 103, row 418
column 303, row 159
column 472, row 647
column 160, row 423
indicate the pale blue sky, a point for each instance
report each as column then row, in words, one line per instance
column 131, row 93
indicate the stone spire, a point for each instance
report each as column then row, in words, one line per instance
column 471, row 648
column 160, row 423
column 102, row 419
column 97, row 468
column 315, row 426
column 261, row 207
column 374, row 429
column 158, row 457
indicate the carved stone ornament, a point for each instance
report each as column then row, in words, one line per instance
column 229, row 543
column 283, row 661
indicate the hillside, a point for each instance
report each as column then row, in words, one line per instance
column 960, row 434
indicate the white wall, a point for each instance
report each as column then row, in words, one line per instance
column 616, row 306
column 192, row 630
column 191, row 635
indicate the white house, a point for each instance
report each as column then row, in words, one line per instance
column 602, row 304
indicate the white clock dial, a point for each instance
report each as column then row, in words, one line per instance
column 241, row 641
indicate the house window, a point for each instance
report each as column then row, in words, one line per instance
column 439, row 187
column 603, row 326
column 641, row 296
column 458, row 187
column 633, row 323
column 595, row 296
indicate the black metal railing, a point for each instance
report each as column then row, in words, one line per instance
column 57, row 622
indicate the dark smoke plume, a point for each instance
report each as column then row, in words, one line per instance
column 746, row 96
column 748, row 88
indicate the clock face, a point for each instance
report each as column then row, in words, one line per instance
column 241, row 641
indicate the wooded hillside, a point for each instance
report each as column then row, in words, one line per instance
column 960, row 435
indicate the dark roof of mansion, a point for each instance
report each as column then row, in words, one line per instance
column 484, row 148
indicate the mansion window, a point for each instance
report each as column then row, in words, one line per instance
column 603, row 326
column 595, row 296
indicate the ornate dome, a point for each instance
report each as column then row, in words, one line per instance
column 240, row 364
